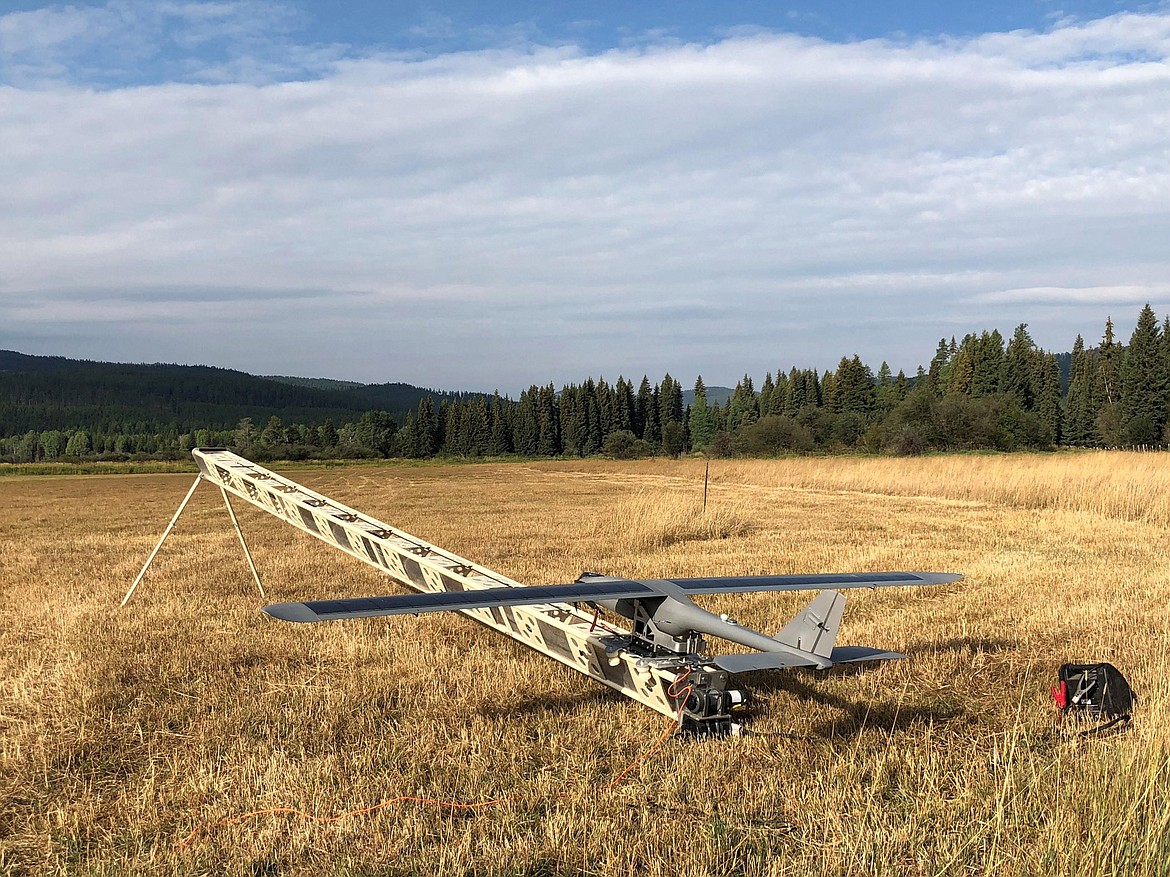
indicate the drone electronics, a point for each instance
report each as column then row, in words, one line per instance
column 661, row 662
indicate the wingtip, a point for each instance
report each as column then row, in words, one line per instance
column 942, row 578
column 296, row 612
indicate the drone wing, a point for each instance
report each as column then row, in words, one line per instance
column 836, row 581
column 589, row 587
column 453, row 601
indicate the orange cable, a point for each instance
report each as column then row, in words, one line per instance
column 311, row 817
column 682, row 694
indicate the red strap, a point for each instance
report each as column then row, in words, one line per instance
column 1060, row 695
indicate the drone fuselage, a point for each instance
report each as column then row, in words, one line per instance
column 674, row 622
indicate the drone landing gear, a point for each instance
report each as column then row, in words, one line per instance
column 708, row 707
column 705, row 703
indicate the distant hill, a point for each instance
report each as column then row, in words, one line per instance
column 52, row 392
column 400, row 397
column 394, row 398
column 314, row 383
column 715, row 395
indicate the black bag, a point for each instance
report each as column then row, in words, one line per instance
column 1094, row 693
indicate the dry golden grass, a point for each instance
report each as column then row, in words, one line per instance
column 121, row 732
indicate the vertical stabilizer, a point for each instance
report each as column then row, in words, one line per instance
column 815, row 628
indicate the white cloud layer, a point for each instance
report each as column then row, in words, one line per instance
column 528, row 214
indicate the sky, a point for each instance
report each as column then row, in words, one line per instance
column 477, row 197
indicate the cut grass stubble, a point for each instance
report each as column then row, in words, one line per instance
column 123, row 732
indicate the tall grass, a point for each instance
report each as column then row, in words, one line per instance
column 1128, row 486
column 648, row 520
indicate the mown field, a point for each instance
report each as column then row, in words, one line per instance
column 141, row 740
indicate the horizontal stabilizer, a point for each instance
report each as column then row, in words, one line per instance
column 759, row 661
column 781, row 661
column 854, row 654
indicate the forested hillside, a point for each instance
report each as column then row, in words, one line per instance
column 117, row 409
column 981, row 392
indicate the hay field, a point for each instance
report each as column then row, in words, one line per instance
column 139, row 740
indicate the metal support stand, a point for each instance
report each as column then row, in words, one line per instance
column 240, row 533
column 165, row 534
column 171, row 526
column 561, row 631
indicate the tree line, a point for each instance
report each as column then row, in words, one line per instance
column 983, row 392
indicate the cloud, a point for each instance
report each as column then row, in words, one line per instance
column 1134, row 296
column 526, row 213
column 131, row 42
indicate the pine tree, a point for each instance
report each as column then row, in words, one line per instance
column 855, row 387
column 670, row 401
column 1021, row 368
column 548, row 441
column 594, row 431
column 886, row 393
column 652, row 431
column 828, row 394
column 1143, row 383
column 987, row 365
column 1106, row 396
column 901, row 386
column 501, row 438
column 606, row 409
column 780, row 396
column 572, row 420
column 478, row 432
column 798, row 395
column 328, row 435
column 938, row 374
column 744, row 410
column 406, row 439
column 425, row 429
column 962, row 370
column 1079, row 418
column 702, row 418
column 764, row 399
column 625, row 403
column 646, row 412
column 1048, row 399
column 526, row 432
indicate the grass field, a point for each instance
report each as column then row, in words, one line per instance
column 140, row 740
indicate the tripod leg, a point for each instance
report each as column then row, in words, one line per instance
column 240, row 533
column 165, row 534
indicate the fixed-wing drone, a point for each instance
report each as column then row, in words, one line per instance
column 664, row 648
column 664, row 617
column 667, row 625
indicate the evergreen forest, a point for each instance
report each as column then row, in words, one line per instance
column 983, row 392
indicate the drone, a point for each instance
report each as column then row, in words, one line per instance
column 662, row 660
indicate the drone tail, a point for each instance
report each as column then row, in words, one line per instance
column 815, row 628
